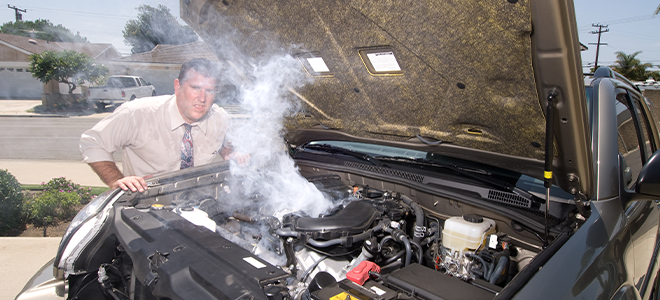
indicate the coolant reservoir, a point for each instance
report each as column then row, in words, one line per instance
column 197, row 217
column 467, row 232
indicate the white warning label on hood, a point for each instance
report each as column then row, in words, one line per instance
column 318, row 64
column 384, row 61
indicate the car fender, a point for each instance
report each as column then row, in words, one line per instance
column 44, row 285
column 593, row 255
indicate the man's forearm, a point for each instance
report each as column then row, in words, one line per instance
column 107, row 171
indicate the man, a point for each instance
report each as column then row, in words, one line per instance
column 163, row 133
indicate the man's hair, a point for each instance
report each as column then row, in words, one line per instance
column 202, row 66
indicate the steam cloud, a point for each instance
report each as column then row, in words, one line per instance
column 264, row 94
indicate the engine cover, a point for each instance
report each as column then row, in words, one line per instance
column 356, row 217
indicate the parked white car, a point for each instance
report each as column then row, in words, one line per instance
column 119, row 89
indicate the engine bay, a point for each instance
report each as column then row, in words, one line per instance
column 179, row 240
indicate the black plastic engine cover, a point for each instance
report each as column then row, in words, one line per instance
column 356, row 217
column 434, row 285
column 177, row 260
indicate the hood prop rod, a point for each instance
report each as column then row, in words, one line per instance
column 549, row 153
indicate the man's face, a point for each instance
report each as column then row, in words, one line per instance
column 194, row 96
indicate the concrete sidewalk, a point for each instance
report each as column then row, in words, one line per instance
column 41, row 171
column 26, row 108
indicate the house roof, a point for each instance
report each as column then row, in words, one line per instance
column 583, row 47
column 31, row 45
column 171, row 54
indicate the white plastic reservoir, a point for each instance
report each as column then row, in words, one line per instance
column 197, row 217
column 467, row 232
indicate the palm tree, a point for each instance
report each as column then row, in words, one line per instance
column 630, row 67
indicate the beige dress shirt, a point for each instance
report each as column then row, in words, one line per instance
column 149, row 131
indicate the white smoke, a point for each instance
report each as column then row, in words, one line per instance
column 265, row 97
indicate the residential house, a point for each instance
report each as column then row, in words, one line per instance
column 15, row 80
column 161, row 65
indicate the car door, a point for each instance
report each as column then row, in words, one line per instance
column 145, row 89
column 636, row 145
column 142, row 87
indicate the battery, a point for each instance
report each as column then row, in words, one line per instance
column 348, row 290
column 433, row 285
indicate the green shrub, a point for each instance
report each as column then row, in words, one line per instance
column 11, row 199
column 61, row 184
column 50, row 207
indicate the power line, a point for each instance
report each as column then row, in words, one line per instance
column 19, row 16
column 46, row 9
column 628, row 20
column 599, row 32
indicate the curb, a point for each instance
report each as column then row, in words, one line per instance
column 36, row 116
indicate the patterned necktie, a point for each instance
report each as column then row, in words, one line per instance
column 187, row 149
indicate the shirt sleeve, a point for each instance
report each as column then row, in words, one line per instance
column 109, row 135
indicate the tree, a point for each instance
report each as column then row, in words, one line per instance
column 155, row 26
column 42, row 29
column 68, row 67
column 631, row 67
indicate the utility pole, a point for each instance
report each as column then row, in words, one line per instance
column 19, row 16
column 600, row 30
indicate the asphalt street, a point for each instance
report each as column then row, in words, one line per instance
column 38, row 147
column 50, row 138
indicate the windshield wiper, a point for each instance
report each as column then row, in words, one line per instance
column 472, row 173
column 339, row 150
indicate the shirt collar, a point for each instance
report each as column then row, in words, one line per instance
column 176, row 120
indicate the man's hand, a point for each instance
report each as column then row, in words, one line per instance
column 133, row 183
column 241, row 158
column 110, row 175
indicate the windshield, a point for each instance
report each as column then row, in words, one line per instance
column 386, row 153
column 121, row 82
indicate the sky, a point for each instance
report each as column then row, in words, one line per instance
column 631, row 24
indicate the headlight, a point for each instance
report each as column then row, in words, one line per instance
column 83, row 228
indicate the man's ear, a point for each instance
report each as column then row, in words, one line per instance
column 176, row 86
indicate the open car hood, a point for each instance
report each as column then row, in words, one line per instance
column 462, row 78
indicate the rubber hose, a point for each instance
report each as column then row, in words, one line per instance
column 395, row 257
column 484, row 265
column 323, row 244
column 419, row 252
column 498, row 270
column 419, row 215
column 286, row 232
column 356, row 238
column 406, row 243
column 312, row 267
column 383, row 241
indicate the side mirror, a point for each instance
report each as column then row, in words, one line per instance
column 648, row 182
column 647, row 187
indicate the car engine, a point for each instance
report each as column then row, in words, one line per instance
column 374, row 243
